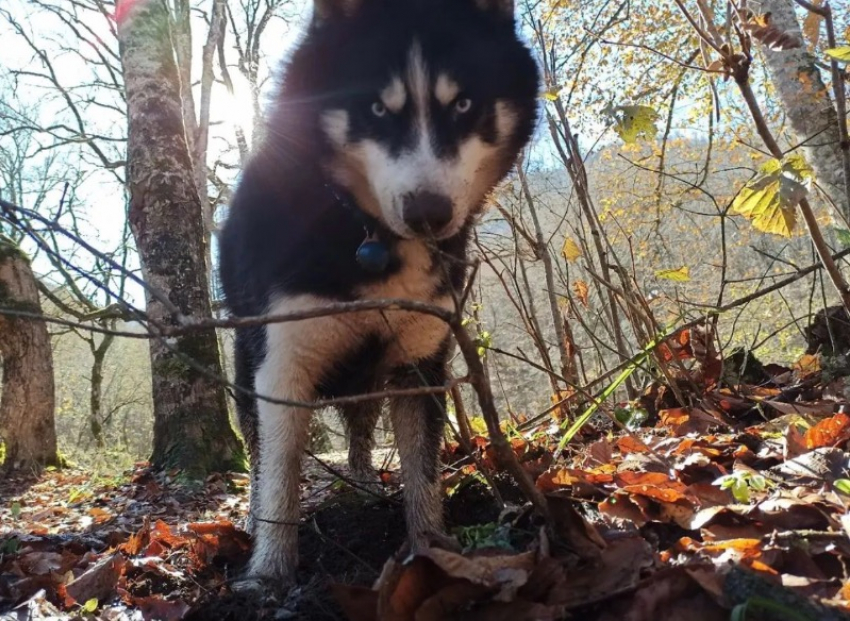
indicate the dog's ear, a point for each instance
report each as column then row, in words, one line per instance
column 504, row 8
column 324, row 10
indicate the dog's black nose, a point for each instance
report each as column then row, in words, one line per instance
column 427, row 212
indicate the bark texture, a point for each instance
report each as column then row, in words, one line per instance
column 27, row 401
column 807, row 103
column 192, row 430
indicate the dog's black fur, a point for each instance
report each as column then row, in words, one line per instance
column 292, row 230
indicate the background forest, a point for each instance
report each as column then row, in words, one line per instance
column 655, row 333
column 666, row 140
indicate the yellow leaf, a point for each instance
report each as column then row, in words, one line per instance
column 633, row 122
column 683, row 274
column 716, row 65
column 552, row 93
column 571, row 250
column 90, row 605
column 811, row 26
column 770, row 199
column 841, row 54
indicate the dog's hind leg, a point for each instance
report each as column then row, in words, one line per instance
column 360, row 420
column 246, row 355
column 418, row 424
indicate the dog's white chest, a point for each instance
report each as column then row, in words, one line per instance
column 410, row 336
column 311, row 343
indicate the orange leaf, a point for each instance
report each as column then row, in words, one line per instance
column 674, row 417
column 828, row 432
column 628, row 444
column 759, row 566
column 655, row 485
column 808, row 364
column 581, row 290
column 746, row 546
column 211, row 528
column 566, row 477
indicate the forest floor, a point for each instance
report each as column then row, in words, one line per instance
column 734, row 507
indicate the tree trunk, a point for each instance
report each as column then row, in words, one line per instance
column 192, row 430
column 27, row 402
column 96, row 389
column 807, row 103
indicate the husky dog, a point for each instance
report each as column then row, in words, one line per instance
column 393, row 122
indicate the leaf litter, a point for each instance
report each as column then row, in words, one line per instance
column 730, row 506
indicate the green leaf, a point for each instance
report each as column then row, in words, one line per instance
column 630, row 416
column 10, row 546
column 633, row 123
column 740, row 491
column 16, row 510
column 841, row 54
column 842, row 236
column 635, row 363
column 842, row 485
column 90, row 605
column 683, row 274
column 770, row 199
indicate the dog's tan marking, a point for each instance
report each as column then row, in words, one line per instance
column 506, row 120
column 446, row 89
column 335, row 125
column 394, row 95
column 349, row 169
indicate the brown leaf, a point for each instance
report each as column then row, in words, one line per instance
column 450, row 601
column 619, row 569
column 504, row 571
column 41, row 563
column 794, row 444
column 359, row 603
column 669, row 595
column 686, row 421
column 97, row 582
column 511, row 611
column 598, row 453
column 624, row 506
column 573, row 529
column 761, row 29
column 403, row 587
column 155, row 608
column 811, row 25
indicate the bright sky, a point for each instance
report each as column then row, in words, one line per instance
column 100, row 201
column 101, row 207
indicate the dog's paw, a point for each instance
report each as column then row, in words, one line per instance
column 267, row 588
column 444, row 542
column 426, row 541
column 367, row 482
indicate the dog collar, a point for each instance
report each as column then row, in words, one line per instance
column 372, row 255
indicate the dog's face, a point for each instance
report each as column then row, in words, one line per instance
column 422, row 105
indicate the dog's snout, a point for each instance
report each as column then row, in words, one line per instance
column 427, row 212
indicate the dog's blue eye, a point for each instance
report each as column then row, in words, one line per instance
column 463, row 105
column 379, row 109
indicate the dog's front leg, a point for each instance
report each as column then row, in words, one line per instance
column 283, row 435
column 418, row 423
